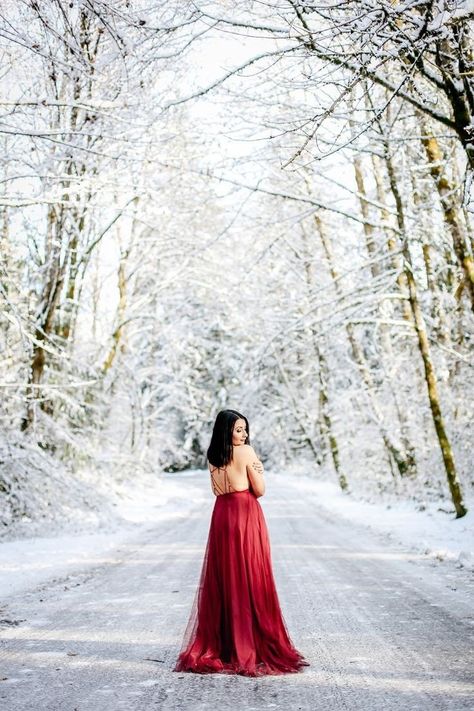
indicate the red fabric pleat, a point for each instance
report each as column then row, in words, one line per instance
column 236, row 625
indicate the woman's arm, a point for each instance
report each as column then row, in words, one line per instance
column 255, row 471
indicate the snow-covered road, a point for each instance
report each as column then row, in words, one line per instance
column 383, row 627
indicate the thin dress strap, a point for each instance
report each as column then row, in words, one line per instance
column 228, row 489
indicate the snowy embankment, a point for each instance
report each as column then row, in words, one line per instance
column 431, row 531
column 53, row 550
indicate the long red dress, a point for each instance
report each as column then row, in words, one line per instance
column 236, row 624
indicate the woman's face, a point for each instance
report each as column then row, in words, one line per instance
column 239, row 432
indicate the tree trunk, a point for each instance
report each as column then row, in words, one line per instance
column 326, row 418
column 437, row 312
column 121, row 310
column 364, row 208
column 425, row 351
column 454, row 58
column 391, row 239
column 395, row 451
column 386, row 305
column 48, row 305
column 327, row 429
column 450, row 206
column 66, row 219
column 306, row 435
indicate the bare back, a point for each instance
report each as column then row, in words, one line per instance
column 231, row 478
column 235, row 475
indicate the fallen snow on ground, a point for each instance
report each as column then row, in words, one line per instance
column 430, row 531
column 382, row 627
column 52, row 552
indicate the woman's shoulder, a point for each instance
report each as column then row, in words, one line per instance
column 244, row 451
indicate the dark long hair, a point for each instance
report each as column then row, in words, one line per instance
column 220, row 449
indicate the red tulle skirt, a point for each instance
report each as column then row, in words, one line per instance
column 236, row 624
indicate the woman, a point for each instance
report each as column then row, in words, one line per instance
column 236, row 625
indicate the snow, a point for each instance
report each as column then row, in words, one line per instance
column 464, row 9
column 382, row 630
column 208, row 213
column 55, row 553
column 431, row 531
column 29, row 562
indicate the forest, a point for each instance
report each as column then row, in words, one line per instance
column 257, row 205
